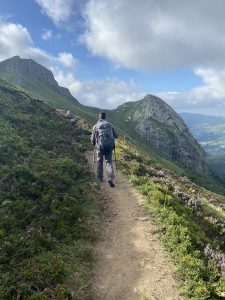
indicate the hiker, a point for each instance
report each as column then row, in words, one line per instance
column 103, row 139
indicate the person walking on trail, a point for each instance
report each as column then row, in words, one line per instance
column 103, row 139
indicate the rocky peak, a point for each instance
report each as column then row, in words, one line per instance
column 28, row 67
column 23, row 70
column 152, row 107
column 165, row 130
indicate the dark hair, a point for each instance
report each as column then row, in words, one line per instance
column 102, row 115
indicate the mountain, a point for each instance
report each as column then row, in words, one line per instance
column 163, row 128
column 150, row 122
column 208, row 130
column 32, row 77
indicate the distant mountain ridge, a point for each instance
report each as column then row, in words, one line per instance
column 30, row 71
column 149, row 121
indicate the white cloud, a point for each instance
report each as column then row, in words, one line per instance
column 105, row 93
column 153, row 35
column 67, row 79
column 67, row 59
column 58, row 10
column 214, row 83
column 13, row 35
column 209, row 98
column 46, row 35
column 16, row 40
column 108, row 93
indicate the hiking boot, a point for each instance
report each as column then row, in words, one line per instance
column 111, row 183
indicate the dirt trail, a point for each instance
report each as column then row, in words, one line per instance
column 130, row 264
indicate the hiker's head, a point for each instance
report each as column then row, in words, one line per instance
column 102, row 116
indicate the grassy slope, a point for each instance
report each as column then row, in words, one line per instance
column 190, row 219
column 41, row 151
column 124, row 128
column 48, row 211
column 91, row 115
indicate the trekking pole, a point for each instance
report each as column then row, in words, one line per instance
column 115, row 159
column 94, row 160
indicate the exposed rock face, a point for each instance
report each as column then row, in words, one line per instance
column 156, row 121
column 23, row 72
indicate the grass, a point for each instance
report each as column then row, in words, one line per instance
column 48, row 207
column 187, row 227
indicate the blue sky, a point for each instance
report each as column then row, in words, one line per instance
column 111, row 51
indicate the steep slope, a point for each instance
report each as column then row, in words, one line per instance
column 157, row 122
column 164, row 131
column 47, row 204
column 190, row 221
column 33, row 77
column 39, row 81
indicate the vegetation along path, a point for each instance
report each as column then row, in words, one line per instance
column 129, row 261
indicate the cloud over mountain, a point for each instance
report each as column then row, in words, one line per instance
column 156, row 35
column 147, row 36
column 16, row 40
column 207, row 98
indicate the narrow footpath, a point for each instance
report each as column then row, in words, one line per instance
column 130, row 263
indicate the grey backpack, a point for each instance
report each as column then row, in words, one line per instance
column 105, row 136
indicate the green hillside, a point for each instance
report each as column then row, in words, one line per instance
column 51, row 96
column 48, row 210
column 39, row 81
column 190, row 221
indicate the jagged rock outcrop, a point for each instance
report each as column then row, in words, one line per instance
column 156, row 121
column 29, row 74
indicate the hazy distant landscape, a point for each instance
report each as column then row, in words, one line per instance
column 210, row 133
column 208, row 130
